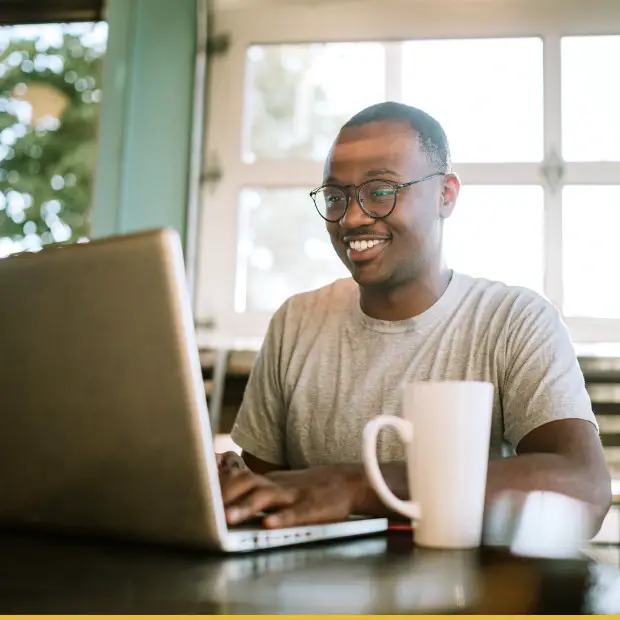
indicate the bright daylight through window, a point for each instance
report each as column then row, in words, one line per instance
column 321, row 86
column 534, row 133
column 50, row 91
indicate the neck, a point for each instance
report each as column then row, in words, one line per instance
column 407, row 300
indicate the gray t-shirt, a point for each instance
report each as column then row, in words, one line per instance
column 325, row 369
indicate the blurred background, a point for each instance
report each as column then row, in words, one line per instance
column 104, row 119
column 50, row 91
column 214, row 117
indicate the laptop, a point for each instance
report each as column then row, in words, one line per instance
column 104, row 427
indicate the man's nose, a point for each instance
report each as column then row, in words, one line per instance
column 355, row 217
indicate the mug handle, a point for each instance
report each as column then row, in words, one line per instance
column 371, row 465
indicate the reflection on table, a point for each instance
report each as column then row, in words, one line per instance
column 382, row 574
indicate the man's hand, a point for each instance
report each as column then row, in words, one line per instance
column 228, row 461
column 316, row 495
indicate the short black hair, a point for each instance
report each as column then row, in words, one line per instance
column 433, row 139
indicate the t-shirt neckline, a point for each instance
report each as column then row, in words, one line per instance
column 444, row 304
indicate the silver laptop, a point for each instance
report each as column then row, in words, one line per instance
column 104, row 425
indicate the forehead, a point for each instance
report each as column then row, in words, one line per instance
column 374, row 146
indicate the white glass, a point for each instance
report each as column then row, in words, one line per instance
column 283, row 248
column 487, row 94
column 298, row 96
column 591, row 252
column 497, row 232
column 590, row 99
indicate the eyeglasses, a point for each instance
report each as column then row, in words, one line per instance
column 376, row 197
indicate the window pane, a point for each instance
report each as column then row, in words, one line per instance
column 283, row 248
column 487, row 94
column 50, row 89
column 298, row 96
column 496, row 232
column 590, row 99
column 591, row 252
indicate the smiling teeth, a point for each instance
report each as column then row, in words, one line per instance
column 366, row 244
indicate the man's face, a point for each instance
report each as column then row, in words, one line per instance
column 409, row 239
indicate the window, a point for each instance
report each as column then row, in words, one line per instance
column 50, row 91
column 590, row 100
column 282, row 248
column 298, row 96
column 498, row 116
column 498, row 221
column 591, row 250
column 591, row 196
column 528, row 107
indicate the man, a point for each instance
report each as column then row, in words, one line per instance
column 336, row 357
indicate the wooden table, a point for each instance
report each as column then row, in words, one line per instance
column 381, row 574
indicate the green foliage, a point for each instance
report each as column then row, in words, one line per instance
column 46, row 168
column 290, row 112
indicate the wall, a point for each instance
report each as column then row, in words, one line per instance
column 146, row 122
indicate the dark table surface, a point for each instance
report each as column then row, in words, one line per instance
column 381, row 574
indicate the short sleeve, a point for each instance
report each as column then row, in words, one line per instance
column 260, row 425
column 543, row 381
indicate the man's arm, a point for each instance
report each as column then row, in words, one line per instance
column 259, row 428
column 258, row 466
column 564, row 456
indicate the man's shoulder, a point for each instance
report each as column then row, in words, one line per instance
column 494, row 293
column 333, row 296
column 517, row 311
column 305, row 318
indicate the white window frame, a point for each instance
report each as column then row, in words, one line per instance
column 385, row 21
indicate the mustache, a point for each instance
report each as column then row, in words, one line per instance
column 362, row 230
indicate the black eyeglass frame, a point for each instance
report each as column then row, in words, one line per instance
column 358, row 188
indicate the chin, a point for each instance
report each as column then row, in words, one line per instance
column 366, row 277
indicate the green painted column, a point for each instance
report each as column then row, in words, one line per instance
column 146, row 117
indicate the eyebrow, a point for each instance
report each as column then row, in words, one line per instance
column 380, row 171
column 369, row 175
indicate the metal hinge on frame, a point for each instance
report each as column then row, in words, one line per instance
column 218, row 44
column 212, row 173
column 553, row 170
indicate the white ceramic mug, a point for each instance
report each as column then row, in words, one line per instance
column 446, row 427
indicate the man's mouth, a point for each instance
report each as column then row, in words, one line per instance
column 360, row 250
column 363, row 245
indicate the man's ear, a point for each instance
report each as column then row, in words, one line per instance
column 451, row 188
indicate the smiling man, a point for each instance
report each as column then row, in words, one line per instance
column 336, row 357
